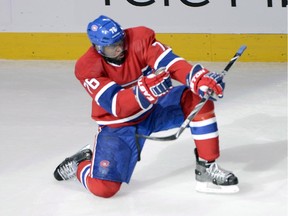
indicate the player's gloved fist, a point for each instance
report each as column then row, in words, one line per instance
column 201, row 80
column 151, row 87
column 211, row 81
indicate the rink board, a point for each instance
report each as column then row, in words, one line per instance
column 194, row 47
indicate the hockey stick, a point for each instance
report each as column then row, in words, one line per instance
column 198, row 107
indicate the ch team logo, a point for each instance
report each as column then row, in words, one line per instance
column 94, row 27
column 104, row 163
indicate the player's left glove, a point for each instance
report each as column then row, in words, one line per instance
column 201, row 80
column 151, row 87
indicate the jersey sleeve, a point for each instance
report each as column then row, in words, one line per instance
column 107, row 94
column 159, row 55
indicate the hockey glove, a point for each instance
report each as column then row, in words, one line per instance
column 201, row 80
column 151, row 87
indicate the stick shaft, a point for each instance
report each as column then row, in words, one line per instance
column 199, row 106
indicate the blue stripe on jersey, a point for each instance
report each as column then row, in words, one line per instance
column 147, row 70
column 142, row 100
column 106, row 98
column 170, row 56
column 204, row 129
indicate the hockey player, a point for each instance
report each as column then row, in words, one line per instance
column 120, row 71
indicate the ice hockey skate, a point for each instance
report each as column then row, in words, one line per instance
column 211, row 178
column 68, row 168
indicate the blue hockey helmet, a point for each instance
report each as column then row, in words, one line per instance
column 104, row 31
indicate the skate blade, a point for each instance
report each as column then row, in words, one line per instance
column 85, row 147
column 207, row 187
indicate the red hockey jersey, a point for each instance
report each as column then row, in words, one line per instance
column 110, row 86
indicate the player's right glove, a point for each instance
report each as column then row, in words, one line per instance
column 201, row 80
column 151, row 87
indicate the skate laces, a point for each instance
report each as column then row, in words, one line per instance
column 68, row 170
column 218, row 173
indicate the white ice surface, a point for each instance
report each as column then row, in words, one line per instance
column 45, row 116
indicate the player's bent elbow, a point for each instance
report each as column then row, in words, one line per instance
column 103, row 188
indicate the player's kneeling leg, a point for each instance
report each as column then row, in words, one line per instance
column 99, row 187
column 103, row 188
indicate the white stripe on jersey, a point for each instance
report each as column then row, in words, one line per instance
column 130, row 83
column 144, row 69
column 114, row 102
column 135, row 81
column 172, row 62
column 161, row 57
